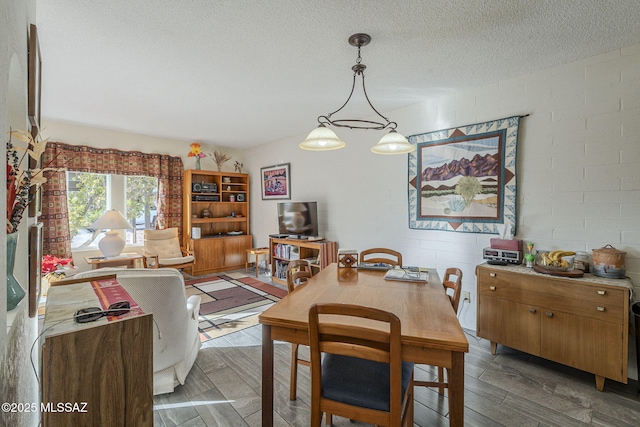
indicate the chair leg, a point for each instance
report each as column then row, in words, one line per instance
column 441, row 380
column 293, row 383
column 329, row 419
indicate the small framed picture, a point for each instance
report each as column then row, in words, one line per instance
column 276, row 182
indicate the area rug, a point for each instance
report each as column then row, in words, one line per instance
column 231, row 302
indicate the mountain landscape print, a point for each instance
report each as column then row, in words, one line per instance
column 463, row 180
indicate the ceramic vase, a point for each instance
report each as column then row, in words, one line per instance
column 15, row 293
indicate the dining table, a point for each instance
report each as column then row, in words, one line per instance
column 431, row 332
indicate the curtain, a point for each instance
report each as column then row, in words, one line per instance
column 80, row 158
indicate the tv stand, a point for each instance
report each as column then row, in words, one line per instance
column 319, row 253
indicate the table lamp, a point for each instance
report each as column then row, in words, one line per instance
column 111, row 244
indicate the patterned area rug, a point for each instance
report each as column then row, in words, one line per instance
column 231, row 302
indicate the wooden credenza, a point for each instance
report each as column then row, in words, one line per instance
column 582, row 323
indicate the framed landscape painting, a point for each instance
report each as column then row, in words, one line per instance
column 464, row 179
column 276, row 182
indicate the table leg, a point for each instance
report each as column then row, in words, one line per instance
column 456, row 390
column 257, row 255
column 267, row 377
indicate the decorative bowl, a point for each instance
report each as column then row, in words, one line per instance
column 540, row 262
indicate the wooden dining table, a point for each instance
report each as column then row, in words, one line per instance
column 431, row 333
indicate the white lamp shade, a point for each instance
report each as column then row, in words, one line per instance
column 322, row 139
column 111, row 219
column 393, row 143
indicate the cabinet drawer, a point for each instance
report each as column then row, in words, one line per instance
column 551, row 303
column 561, row 287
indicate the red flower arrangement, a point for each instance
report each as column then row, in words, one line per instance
column 51, row 263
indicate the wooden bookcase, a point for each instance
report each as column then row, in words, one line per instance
column 225, row 232
column 319, row 253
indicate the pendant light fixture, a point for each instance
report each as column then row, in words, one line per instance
column 322, row 138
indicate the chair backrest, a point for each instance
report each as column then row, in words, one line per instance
column 455, row 284
column 161, row 292
column 373, row 255
column 332, row 334
column 298, row 272
column 163, row 243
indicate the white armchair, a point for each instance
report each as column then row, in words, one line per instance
column 161, row 292
column 162, row 249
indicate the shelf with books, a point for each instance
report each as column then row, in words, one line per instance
column 319, row 253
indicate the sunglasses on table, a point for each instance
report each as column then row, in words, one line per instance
column 91, row 314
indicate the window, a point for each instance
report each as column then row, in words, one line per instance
column 90, row 194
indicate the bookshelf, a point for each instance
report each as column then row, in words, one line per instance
column 319, row 253
column 218, row 204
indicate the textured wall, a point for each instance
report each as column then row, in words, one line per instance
column 17, row 380
column 578, row 170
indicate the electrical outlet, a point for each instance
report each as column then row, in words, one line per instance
column 466, row 296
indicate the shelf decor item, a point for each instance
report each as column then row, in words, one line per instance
column 196, row 151
column 220, row 159
column 276, row 182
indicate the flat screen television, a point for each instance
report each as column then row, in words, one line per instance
column 298, row 218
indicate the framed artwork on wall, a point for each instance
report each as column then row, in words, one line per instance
column 276, row 182
column 34, row 67
column 35, row 267
column 464, row 179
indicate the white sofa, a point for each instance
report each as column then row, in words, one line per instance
column 161, row 292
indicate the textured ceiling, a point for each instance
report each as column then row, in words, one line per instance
column 240, row 73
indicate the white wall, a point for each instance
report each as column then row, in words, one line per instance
column 17, row 330
column 578, row 170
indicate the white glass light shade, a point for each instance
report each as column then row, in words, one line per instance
column 111, row 244
column 393, row 143
column 321, row 139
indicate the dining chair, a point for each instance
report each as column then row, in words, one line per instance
column 385, row 255
column 298, row 272
column 357, row 370
column 455, row 285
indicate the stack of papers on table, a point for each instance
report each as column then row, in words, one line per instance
column 407, row 274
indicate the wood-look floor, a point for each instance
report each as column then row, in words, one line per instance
column 509, row 389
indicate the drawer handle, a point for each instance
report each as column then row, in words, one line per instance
column 492, row 274
column 532, row 310
column 600, row 308
column 602, row 292
column 493, row 288
column 549, row 314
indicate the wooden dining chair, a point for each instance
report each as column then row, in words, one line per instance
column 453, row 288
column 361, row 376
column 298, row 272
column 385, row 255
